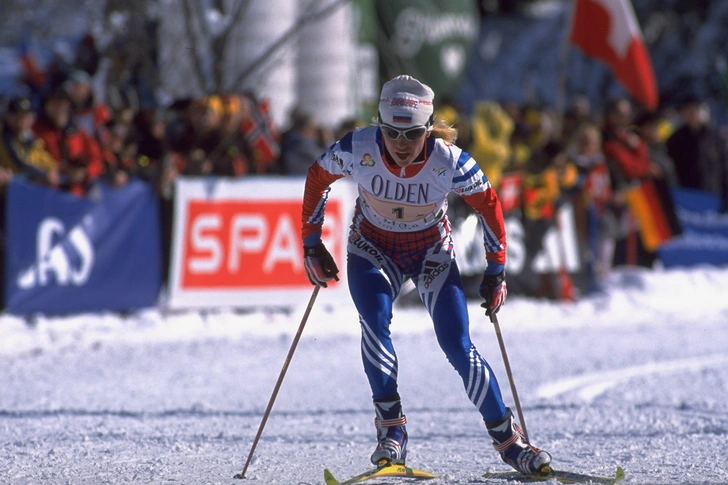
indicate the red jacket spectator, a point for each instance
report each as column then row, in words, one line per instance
column 77, row 154
column 623, row 147
column 629, row 152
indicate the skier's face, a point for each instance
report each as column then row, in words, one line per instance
column 404, row 145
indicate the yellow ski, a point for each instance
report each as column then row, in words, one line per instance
column 384, row 471
column 561, row 476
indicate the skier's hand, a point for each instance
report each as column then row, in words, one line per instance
column 493, row 290
column 320, row 265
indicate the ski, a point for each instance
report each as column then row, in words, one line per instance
column 561, row 476
column 379, row 472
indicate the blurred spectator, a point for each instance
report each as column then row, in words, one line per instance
column 77, row 154
column 185, row 134
column 520, row 148
column 210, row 128
column 299, row 145
column 539, row 125
column 149, row 131
column 229, row 152
column 123, row 106
column 628, row 158
column 650, row 127
column 699, row 152
column 595, row 220
column 86, row 112
column 209, row 138
column 490, row 146
column 624, row 148
column 88, row 57
column 514, row 111
column 119, row 154
column 548, row 174
column 578, row 114
column 21, row 152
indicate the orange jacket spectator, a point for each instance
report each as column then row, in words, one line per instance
column 549, row 172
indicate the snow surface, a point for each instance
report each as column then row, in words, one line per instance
column 636, row 377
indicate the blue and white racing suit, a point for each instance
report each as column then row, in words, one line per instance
column 400, row 229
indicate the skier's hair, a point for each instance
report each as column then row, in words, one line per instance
column 440, row 129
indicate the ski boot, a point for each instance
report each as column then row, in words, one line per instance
column 391, row 432
column 515, row 450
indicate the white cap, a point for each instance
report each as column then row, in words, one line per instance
column 405, row 102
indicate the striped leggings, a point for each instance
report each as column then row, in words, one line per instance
column 374, row 283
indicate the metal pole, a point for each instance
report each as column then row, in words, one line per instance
column 494, row 319
column 280, row 380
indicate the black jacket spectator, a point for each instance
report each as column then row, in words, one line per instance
column 699, row 153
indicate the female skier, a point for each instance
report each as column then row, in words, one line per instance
column 405, row 166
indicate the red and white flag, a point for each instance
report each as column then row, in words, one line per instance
column 608, row 30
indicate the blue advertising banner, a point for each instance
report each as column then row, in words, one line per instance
column 67, row 254
column 705, row 231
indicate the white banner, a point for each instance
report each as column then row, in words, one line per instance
column 237, row 242
column 559, row 247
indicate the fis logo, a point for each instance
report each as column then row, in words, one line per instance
column 69, row 257
column 439, row 170
column 432, row 270
column 367, row 160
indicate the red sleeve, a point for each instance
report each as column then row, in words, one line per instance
column 488, row 206
column 633, row 163
column 315, row 195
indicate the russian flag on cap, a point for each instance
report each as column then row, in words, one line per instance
column 402, row 118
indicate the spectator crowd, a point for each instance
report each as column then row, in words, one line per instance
column 593, row 159
column 64, row 135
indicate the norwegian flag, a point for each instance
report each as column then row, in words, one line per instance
column 608, row 30
column 260, row 132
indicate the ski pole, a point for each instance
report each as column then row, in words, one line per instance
column 494, row 319
column 280, row 380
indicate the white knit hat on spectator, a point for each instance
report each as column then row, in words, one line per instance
column 405, row 102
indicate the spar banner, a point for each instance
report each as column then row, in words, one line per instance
column 705, row 231
column 67, row 254
column 534, row 248
column 237, row 242
column 428, row 39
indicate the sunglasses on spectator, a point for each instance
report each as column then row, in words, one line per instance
column 410, row 134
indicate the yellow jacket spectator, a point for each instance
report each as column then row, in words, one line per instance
column 491, row 132
column 20, row 150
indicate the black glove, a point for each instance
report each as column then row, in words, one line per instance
column 319, row 264
column 493, row 290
